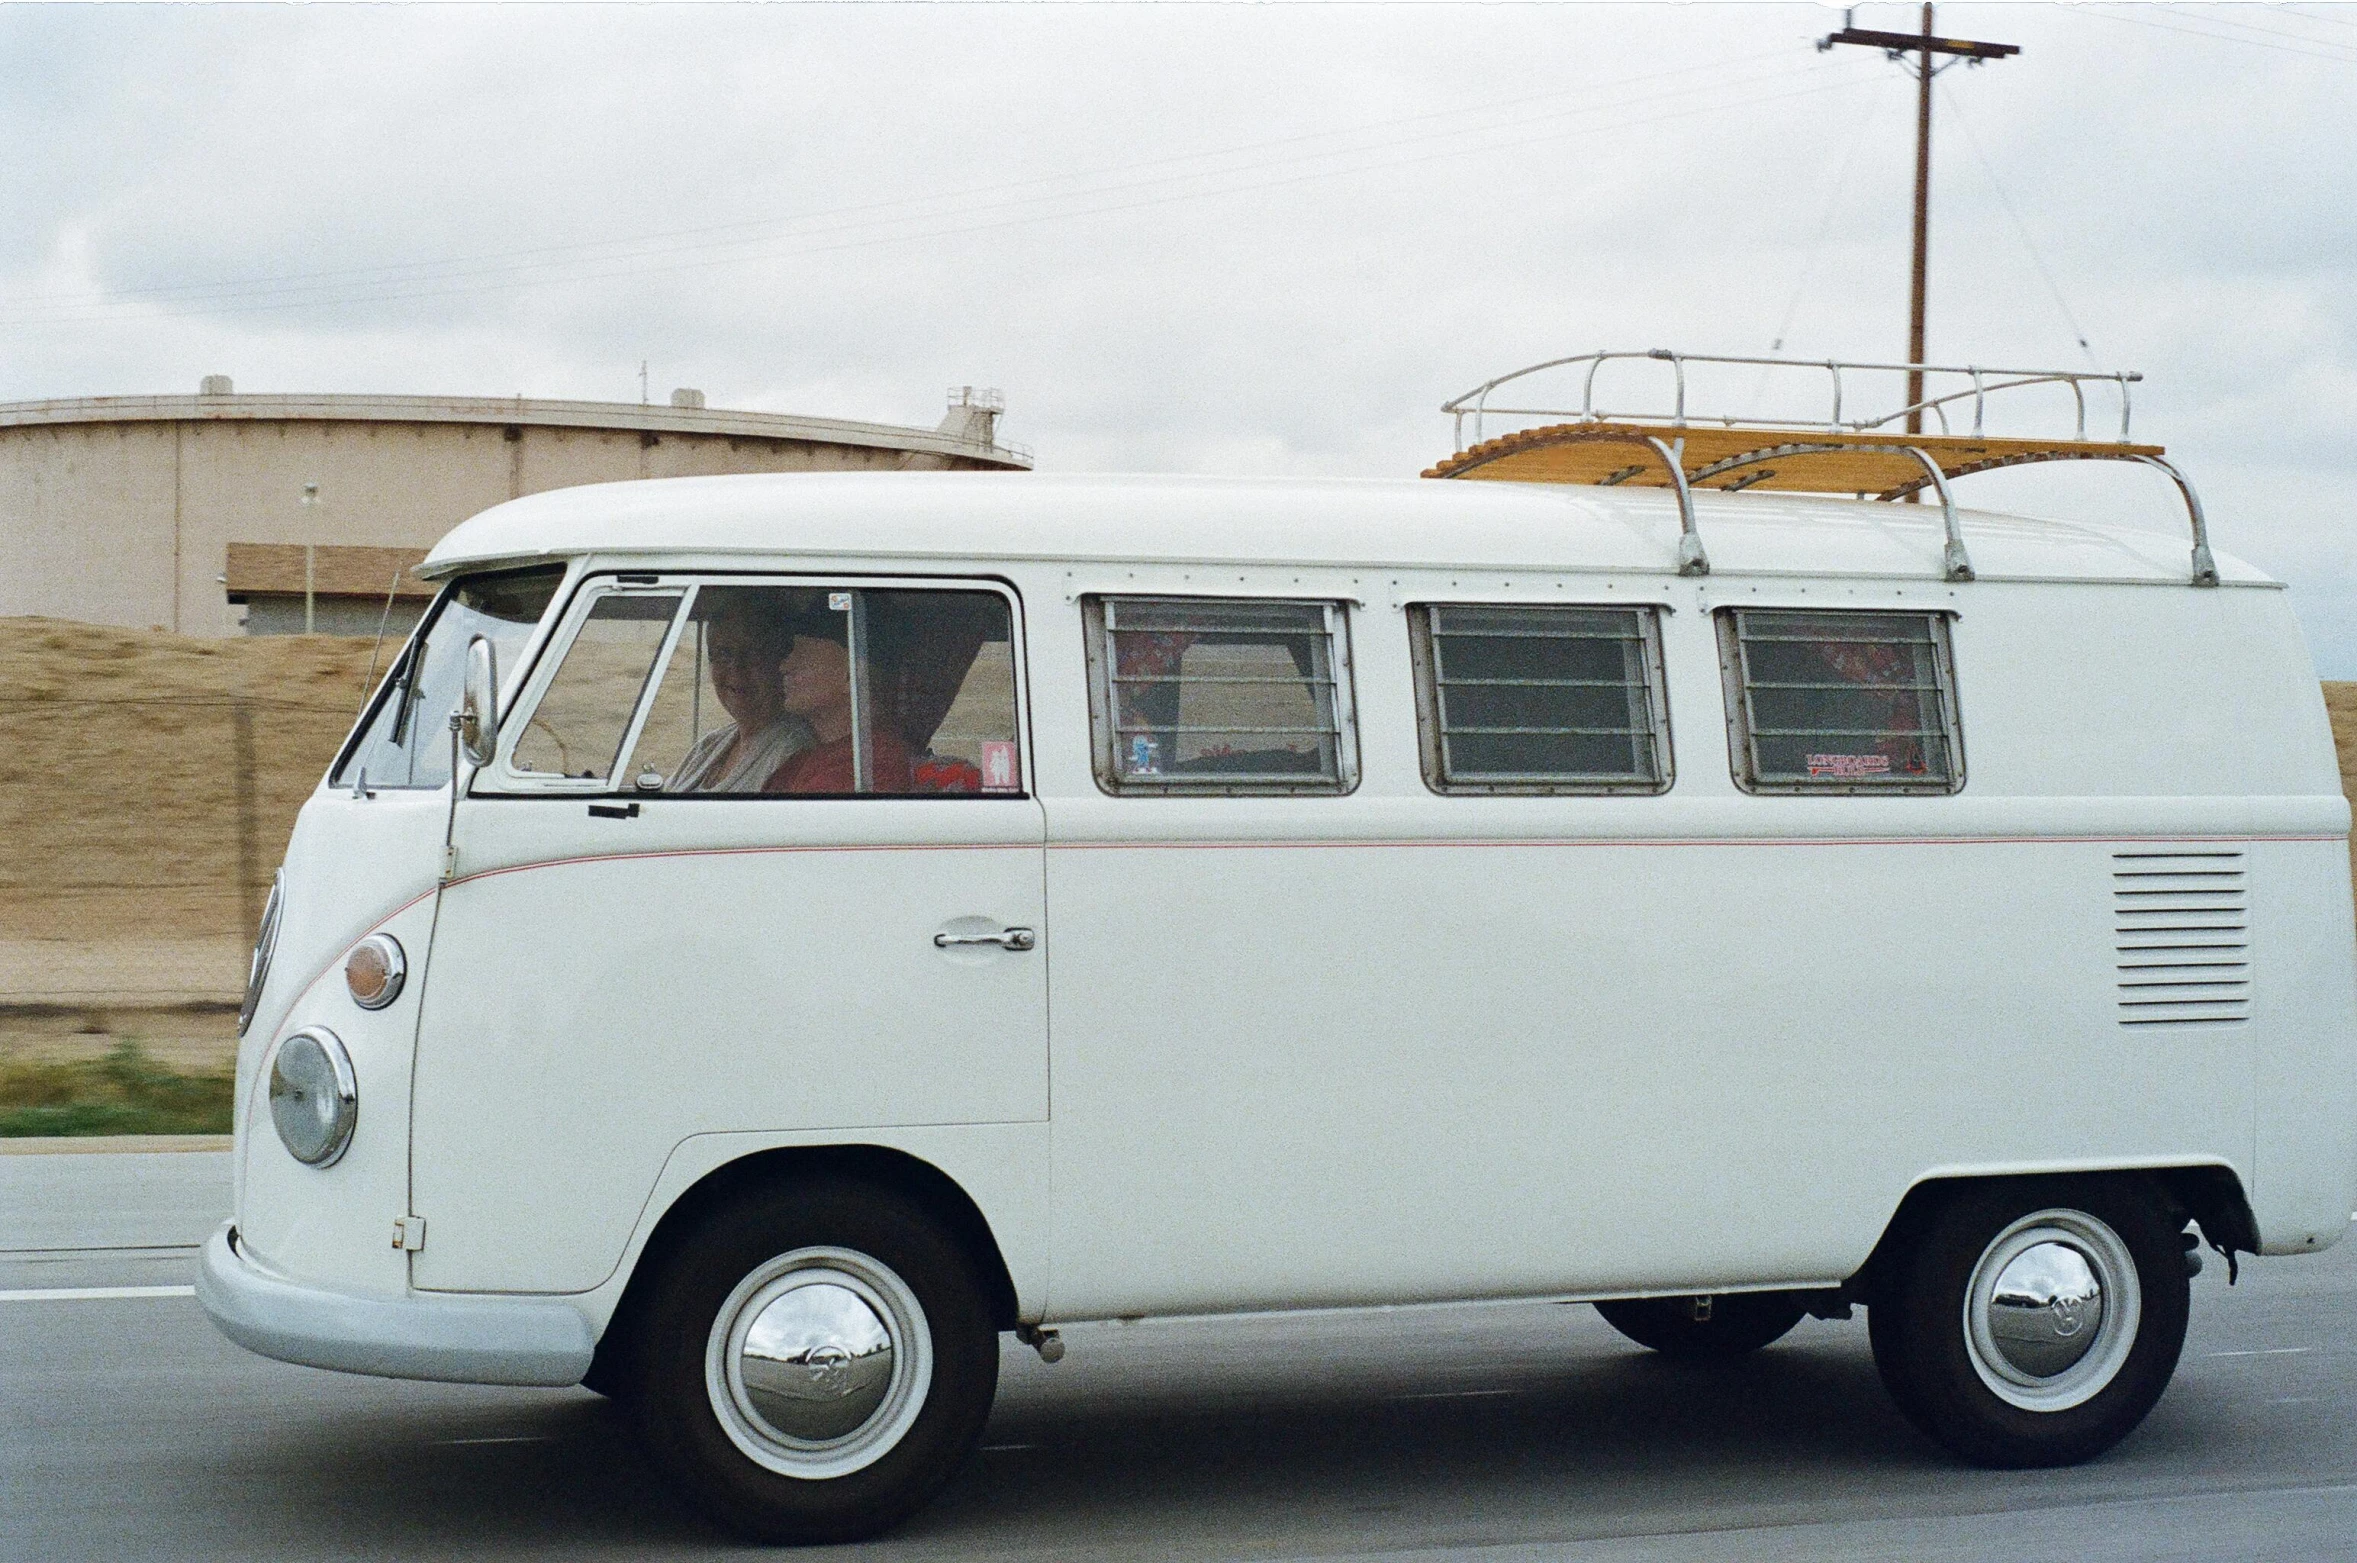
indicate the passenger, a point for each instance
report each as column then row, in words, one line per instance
column 818, row 689
column 748, row 648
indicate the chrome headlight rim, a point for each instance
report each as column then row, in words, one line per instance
column 265, row 944
column 289, row 1098
column 396, row 961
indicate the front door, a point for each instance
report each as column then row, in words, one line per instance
column 759, row 854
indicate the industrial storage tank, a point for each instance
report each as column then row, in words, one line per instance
column 217, row 514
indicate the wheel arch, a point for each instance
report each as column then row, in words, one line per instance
column 2209, row 1194
column 880, row 1166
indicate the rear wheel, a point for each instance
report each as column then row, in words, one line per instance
column 1705, row 1328
column 2035, row 1323
column 815, row 1363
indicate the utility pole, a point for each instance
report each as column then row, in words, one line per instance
column 1898, row 46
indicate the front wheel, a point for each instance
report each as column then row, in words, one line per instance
column 817, row 1361
column 1701, row 1329
column 2035, row 1323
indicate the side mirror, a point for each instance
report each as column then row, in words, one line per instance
column 478, row 703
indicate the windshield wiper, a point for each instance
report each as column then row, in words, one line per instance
column 404, row 695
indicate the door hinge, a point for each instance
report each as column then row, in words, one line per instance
column 449, row 863
column 409, row 1233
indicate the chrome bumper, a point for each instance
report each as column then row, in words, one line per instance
column 456, row 1339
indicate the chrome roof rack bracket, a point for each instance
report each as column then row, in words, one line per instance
column 1953, row 559
column 1691, row 559
column 2205, row 565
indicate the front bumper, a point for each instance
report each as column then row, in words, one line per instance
column 455, row 1339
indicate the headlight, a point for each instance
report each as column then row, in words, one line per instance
column 314, row 1096
column 265, row 940
column 375, row 970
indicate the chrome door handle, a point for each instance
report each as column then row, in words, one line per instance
column 1005, row 939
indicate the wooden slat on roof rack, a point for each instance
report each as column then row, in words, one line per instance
column 1799, row 460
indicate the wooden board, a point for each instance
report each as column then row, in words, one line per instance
column 1776, row 459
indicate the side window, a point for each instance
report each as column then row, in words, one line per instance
column 576, row 730
column 836, row 692
column 1541, row 699
column 1207, row 695
column 1841, row 701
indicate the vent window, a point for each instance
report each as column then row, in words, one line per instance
column 1840, row 701
column 1541, row 699
column 2181, row 927
column 1210, row 695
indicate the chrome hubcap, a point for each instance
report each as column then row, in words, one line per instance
column 816, row 1362
column 2047, row 1309
column 819, row 1362
column 2052, row 1310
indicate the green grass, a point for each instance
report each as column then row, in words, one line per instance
column 126, row 1092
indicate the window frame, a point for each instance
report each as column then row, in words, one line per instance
column 1736, row 689
column 1104, row 729
column 396, row 682
column 1430, row 736
column 500, row 779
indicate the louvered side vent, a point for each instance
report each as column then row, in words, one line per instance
column 2183, row 936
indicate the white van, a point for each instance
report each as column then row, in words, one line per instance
column 876, row 913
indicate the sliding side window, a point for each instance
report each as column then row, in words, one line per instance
column 731, row 689
column 1842, row 701
column 1541, row 699
column 835, row 691
column 1220, row 695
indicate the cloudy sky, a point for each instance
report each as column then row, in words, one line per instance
column 1202, row 238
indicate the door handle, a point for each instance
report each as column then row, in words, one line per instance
column 1005, row 939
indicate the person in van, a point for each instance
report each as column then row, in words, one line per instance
column 817, row 689
column 748, row 648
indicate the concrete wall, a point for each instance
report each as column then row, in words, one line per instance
column 127, row 521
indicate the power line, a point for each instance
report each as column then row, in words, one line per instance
column 266, row 304
column 2203, row 32
column 2222, row 18
column 2020, row 227
column 757, row 229
column 1841, row 178
column 2307, row 13
column 328, row 291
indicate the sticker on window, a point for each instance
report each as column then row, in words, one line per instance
column 1849, row 764
column 1840, row 700
column 998, row 768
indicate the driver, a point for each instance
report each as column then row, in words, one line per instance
column 748, row 649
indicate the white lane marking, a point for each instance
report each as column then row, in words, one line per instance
column 1455, row 1394
column 2272, row 1351
column 93, row 1293
column 521, row 1438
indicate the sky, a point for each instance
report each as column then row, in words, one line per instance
column 1206, row 238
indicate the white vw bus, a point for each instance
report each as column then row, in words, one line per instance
column 876, row 913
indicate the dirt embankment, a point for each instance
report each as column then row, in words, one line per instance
column 148, row 781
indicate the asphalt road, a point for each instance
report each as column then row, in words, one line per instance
column 129, row 1429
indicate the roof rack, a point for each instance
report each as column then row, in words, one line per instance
column 1682, row 451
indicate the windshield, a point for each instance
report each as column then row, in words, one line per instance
column 405, row 740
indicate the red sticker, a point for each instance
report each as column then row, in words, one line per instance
column 998, row 768
column 1849, row 764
